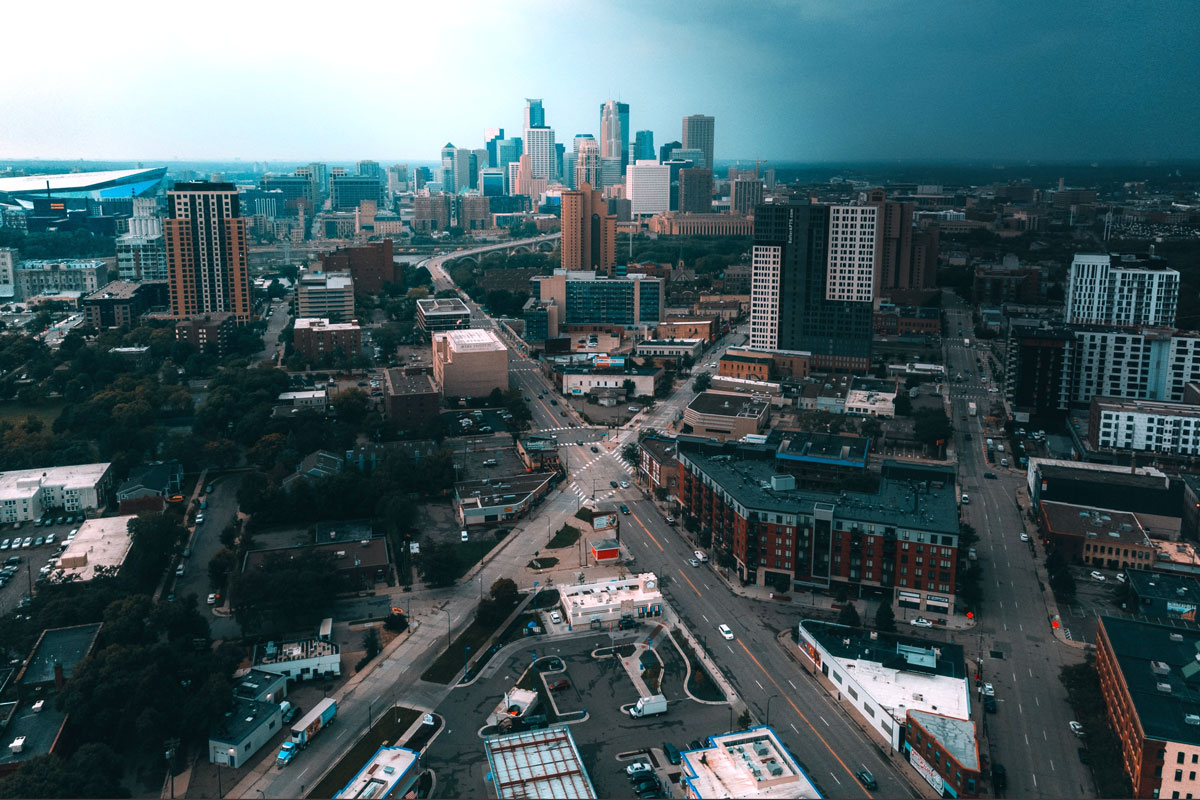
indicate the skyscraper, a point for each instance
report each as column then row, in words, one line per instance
column 206, row 251
column 587, row 161
column 643, row 147
column 744, row 195
column 614, row 132
column 539, row 146
column 695, row 190
column 789, row 304
column 508, row 151
column 479, row 161
column 449, row 154
column 462, row 171
column 589, row 232
column 647, row 185
column 490, row 137
column 893, row 262
column 698, row 133
column 1124, row 291
column 664, row 152
column 675, row 166
column 850, row 274
column 535, row 115
column 370, row 169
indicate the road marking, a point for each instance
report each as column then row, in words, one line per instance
column 1052, row 766
column 689, row 582
column 1036, row 701
column 730, row 648
column 705, row 585
column 792, row 685
column 705, row 618
column 651, row 535
column 797, row 730
column 823, row 720
column 835, row 777
column 760, row 685
column 1044, row 736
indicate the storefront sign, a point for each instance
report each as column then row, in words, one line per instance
column 927, row 772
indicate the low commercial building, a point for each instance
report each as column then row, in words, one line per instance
column 725, row 415
column 603, row 603
column 299, row 660
column 884, row 676
column 119, row 304
column 313, row 338
column 314, row 399
column 671, row 348
column 27, row 494
column 945, row 752
column 248, row 726
column 581, row 380
column 501, row 499
column 541, row 763
column 54, row 275
column 1145, row 491
column 706, row 328
column 891, row 320
column 208, row 333
column 1149, row 674
column 410, row 401
column 442, row 314
column 159, row 479
column 749, row 764
column 100, row 547
column 742, row 362
column 1097, row 537
column 391, row 772
column 657, row 468
column 469, row 363
column 359, row 565
column 539, row 453
column 871, row 397
column 1165, row 595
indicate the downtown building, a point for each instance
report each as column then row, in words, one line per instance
column 142, row 258
column 206, row 251
column 614, row 132
column 1125, row 291
column 589, row 232
column 698, row 130
column 901, row 541
column 800, row 299
column 585, row 298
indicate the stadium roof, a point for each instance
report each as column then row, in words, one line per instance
column 94, row 185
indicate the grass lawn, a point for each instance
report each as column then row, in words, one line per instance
column 16, row 412
column 389, row 728
column 566, row 536
column 451, row 661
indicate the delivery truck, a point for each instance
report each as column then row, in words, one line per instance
column 315, row 721
column 649, row 706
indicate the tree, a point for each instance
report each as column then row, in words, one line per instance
column 352, row 406
column 849, row 616
column 630, row 452
column 903, row 405
column 94, row 770
column 885, row 618
column 505, row 592
column 702, row 382
column 371, row 642
column 931, row 425
column 220, row 566
column 438, row 564
column 285, row 593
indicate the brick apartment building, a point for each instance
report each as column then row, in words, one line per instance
column 208, row 333
column 410, row 401
column 371, row 264
column 119, row 304
column 314, row 337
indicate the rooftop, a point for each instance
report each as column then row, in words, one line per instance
column 442, row 305
column 900, row 672
column 1159, row 407
column 59, row 263
column 1094, row 523
column 379, row 776
column 661, row 450
column 1169, row 586
column 505, row 490
column 37, row 730
column 283, row 652
column 823, row 448
column 107, row 182
column 727, row 404
column 26, row 482
column 538, row 764
column 241, row 720
column 62, row 646
column 102, row 542
column 116, row 290
column 956, row 735
column 472, row 340
column 368, row 552
column 258, row 684
column 1160, row 665
column 750, row 764
column 398, row 383
column 320, row 323
column 611, row 593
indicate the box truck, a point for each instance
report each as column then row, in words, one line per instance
column 649, row 706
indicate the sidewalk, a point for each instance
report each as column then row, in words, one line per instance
column 1052, row 615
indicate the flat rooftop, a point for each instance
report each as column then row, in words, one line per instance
column 1169, row 586
column 1094, row 523
column 26, row 482
column 115, row 290
column 320, row 323
column 242, row 719
column 726, row 404
column 306, row 394
column 442, row 305
column 283, row 652
column 670, row 342
column 823, row 448
column 472, row 340
column 902, row 673
column 40, row 730
column 500, row 491
column 1157, row 407
column 538, row 764
column 63, row 646
column 956, row 735
column 1150, row 655
column 750, row 764
column 379, row 776
column 101, row 542
column 398, row 383
column 604, row 595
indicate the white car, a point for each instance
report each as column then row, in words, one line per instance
column 463, row 536
column 212, row 599
column 638, row 768
column 200, row 518
column 920, row 622
column 179, row 570
column 4, row 545
column 699, row 554
column 988, row 690
column 726, row 632
column 1076, row 728
column 693, row 562
column 1121, row 577
column 624, row 484
column 1097, row 576
column 555, row 617
column 1024, row 537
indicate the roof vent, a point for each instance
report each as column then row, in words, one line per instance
column 1160, row 668
column 1163, row 687
column 1191, row 719
column 1176, row 637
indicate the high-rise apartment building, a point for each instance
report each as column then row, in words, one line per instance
column 587, row 161
column 894, row 262
column 695, row 190
column 698, row 132
column 850, row 271
column 539, row 146
column 535, row 114
column 614, row 132
column 205, row 238
column 589, row 232
column 647, row 186
column 790, row 306
column 745, row 194
column 643, row 147
column 141, row 258
column 1128, row 291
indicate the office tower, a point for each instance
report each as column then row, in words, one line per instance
column 789, row 309
column 462, row 171
column 508, row 151
column 297, row 190
column 769, row 178
column 695, row 190
column 449, row 155
column 397, row 179
column 535, row 115
column 647, row 185
column 643, row 147
column 560, row 150
column 370, row 169
column 347, row 191
column 675, row 166
column 744, row 195
column 610, row 172
column 1128, row 292
column 206, row 251
column 491, row 181
column 894, row 262
column 614, row 132
column 421, row 176
column 589, row 232
column 850, row 257
column 698, row 134
column 587, row 161
column 320, row 175
column 490, row 137
column 141, row 258
column 539, row 146
column 664, row 152
column 692, row 154
column 512, row 177
column 478, row 162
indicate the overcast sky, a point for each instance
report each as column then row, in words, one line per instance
column 787, row 81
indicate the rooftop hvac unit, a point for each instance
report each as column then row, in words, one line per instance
column 760, row 748
column 1176, row 637
column 775, row 768
column 1160, row 667
column 1191, row 719
column 389, row 770
column 1163, row 687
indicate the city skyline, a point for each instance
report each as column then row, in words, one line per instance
column 996, row 82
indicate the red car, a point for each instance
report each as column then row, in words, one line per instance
column 558, row 686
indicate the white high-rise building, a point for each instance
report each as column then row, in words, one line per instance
column 586, row 163
column 141, row 258
column 145, row 220
column 539, row 146
column 764, row 296
column 8, row 273
column 1127, row 292
column 850, row 274
column 648, row 187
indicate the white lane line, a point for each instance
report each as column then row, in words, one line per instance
column 705, row 618
column 730, row 648
column 1036, row 701
column 797, row 730
column 792, row 685
column 760, row 685
column 1045, row 738
column 835, row 777
column 824, row 720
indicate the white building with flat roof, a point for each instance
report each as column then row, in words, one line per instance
column 391, row 772
column 469, row 363
column 101, row 544
column 748, row 764
column 648, row 187
column 27, row 494
column 302, row 659
column 637, row 596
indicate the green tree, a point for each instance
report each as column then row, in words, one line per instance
column 505, row 592
column 630, row 452
column 849, row 616
column 702, row 382
column 94, row 770
column 352, row 406
column 285, row 593
column 885, row 618
column 219, row 568
column 930, row 426
column 371, row 642
column 438, row 564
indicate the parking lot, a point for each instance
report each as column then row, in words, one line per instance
column 35, row 546
column 608, row 738
column 467, row 422
column 1093, row 599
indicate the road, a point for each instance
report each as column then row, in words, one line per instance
column 204, row 543
column 280, row 314
column 1021, row 657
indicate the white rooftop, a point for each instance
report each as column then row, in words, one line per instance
column 65, row 181
column 321, row 322
column 381, row 774
column 751, row 764
column 901, row 691
column 306, row 394
column 538, row 764
column 472, row 340
column 27, row 482
column 605, row 594
column 102, row 542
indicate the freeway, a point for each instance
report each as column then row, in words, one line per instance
column 1019, row 653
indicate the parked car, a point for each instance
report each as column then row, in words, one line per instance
column 988, row 690
column 670, row 520
column 920, row 622
column 212, row 599
column 1024, row 537
column 559, row 685
column 1097, row 576
column 4, row 545
column 1121, row 577
column 989, row 705
column 693, row 562
column 613, row 484
column 639, row 768
column 555, row 617
column 990, row 476
column 725, row 631
column 624, row 484
column 28, row 542
column 39, row 541
column 999, row 777
column 671, row 752
column 1076, row 728
column 51, row 538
